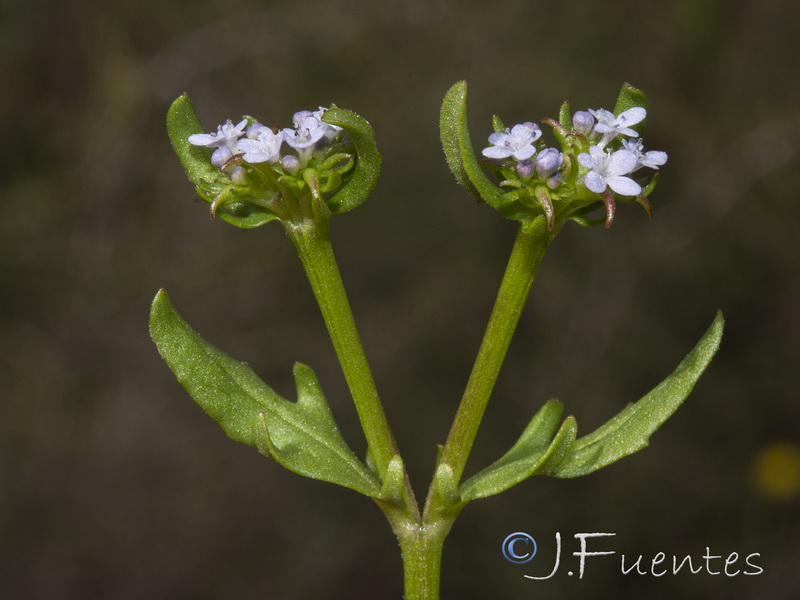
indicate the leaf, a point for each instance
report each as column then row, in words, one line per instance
column 365, row 174
column 629, row 97
column 182, row 122
column 461, row 157
column 302, row 436
column 630, row 430
column 565, row 116
column 538, row 446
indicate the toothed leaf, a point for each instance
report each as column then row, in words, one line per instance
column 302, row 436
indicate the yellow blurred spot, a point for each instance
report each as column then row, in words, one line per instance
column 776, row 471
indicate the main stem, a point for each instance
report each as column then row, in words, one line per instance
column 311, row 238
column 529, row 249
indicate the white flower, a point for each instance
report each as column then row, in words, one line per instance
column 516, row 142
column 263, row 146
column 608, row 169
column 610, row 126
column 652, row 159
column 224, row 140
column 309, row 130
column 331, row 130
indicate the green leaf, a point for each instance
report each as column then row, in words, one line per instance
column 302, row 436
column 630, row 430
column 182, row 122
column 538, row 448
column 461, row 157
column 365, row 174
column 629, row 97
column 565, row 116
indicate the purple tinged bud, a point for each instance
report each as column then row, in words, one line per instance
column 555, row 181
column 525, row 169
column 291, row 163
column 221, row 156
column 239, row 176
column 548, row 162
column 583, row 122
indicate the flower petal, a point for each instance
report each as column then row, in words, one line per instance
column 624, row 186
column 594, row 182
column 622, row 162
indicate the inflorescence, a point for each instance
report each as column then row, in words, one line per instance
column 599, row 158
column 271, row 167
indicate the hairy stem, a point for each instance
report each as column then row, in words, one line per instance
column 312, row 240
column 526, row 256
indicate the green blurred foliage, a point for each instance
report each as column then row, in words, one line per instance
column 114, row 485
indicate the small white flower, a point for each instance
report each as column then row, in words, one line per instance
column 263, row 146
column 308, row 132
column 224, row 140
column 331, row 130
column 652, row 159
column 516, row 142
column 608, row 169
column 610, row 126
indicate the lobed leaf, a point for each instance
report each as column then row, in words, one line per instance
column 302, row 436
column 630, row 430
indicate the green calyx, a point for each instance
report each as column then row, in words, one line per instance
column 333, row 174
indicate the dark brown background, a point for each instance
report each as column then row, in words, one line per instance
column 114, row 485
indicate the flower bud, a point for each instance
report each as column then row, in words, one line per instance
column 583, row 122
column 221, row 156
column 547, row 162
column 291, row 163
column 525, row 169
column 239, row 176
column 554, row 181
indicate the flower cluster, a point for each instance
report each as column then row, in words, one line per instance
column 261, row 144
column 599, row 158
column 276, row 168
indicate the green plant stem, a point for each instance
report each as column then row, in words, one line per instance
column 421, row 549
column 311, row 238
column 526, row 256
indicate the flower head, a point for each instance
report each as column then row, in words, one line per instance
column 224, row 140
column 610, row 126
column 516, row 142
column 608, row 169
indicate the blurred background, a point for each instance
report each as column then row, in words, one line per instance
column 113, row 484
